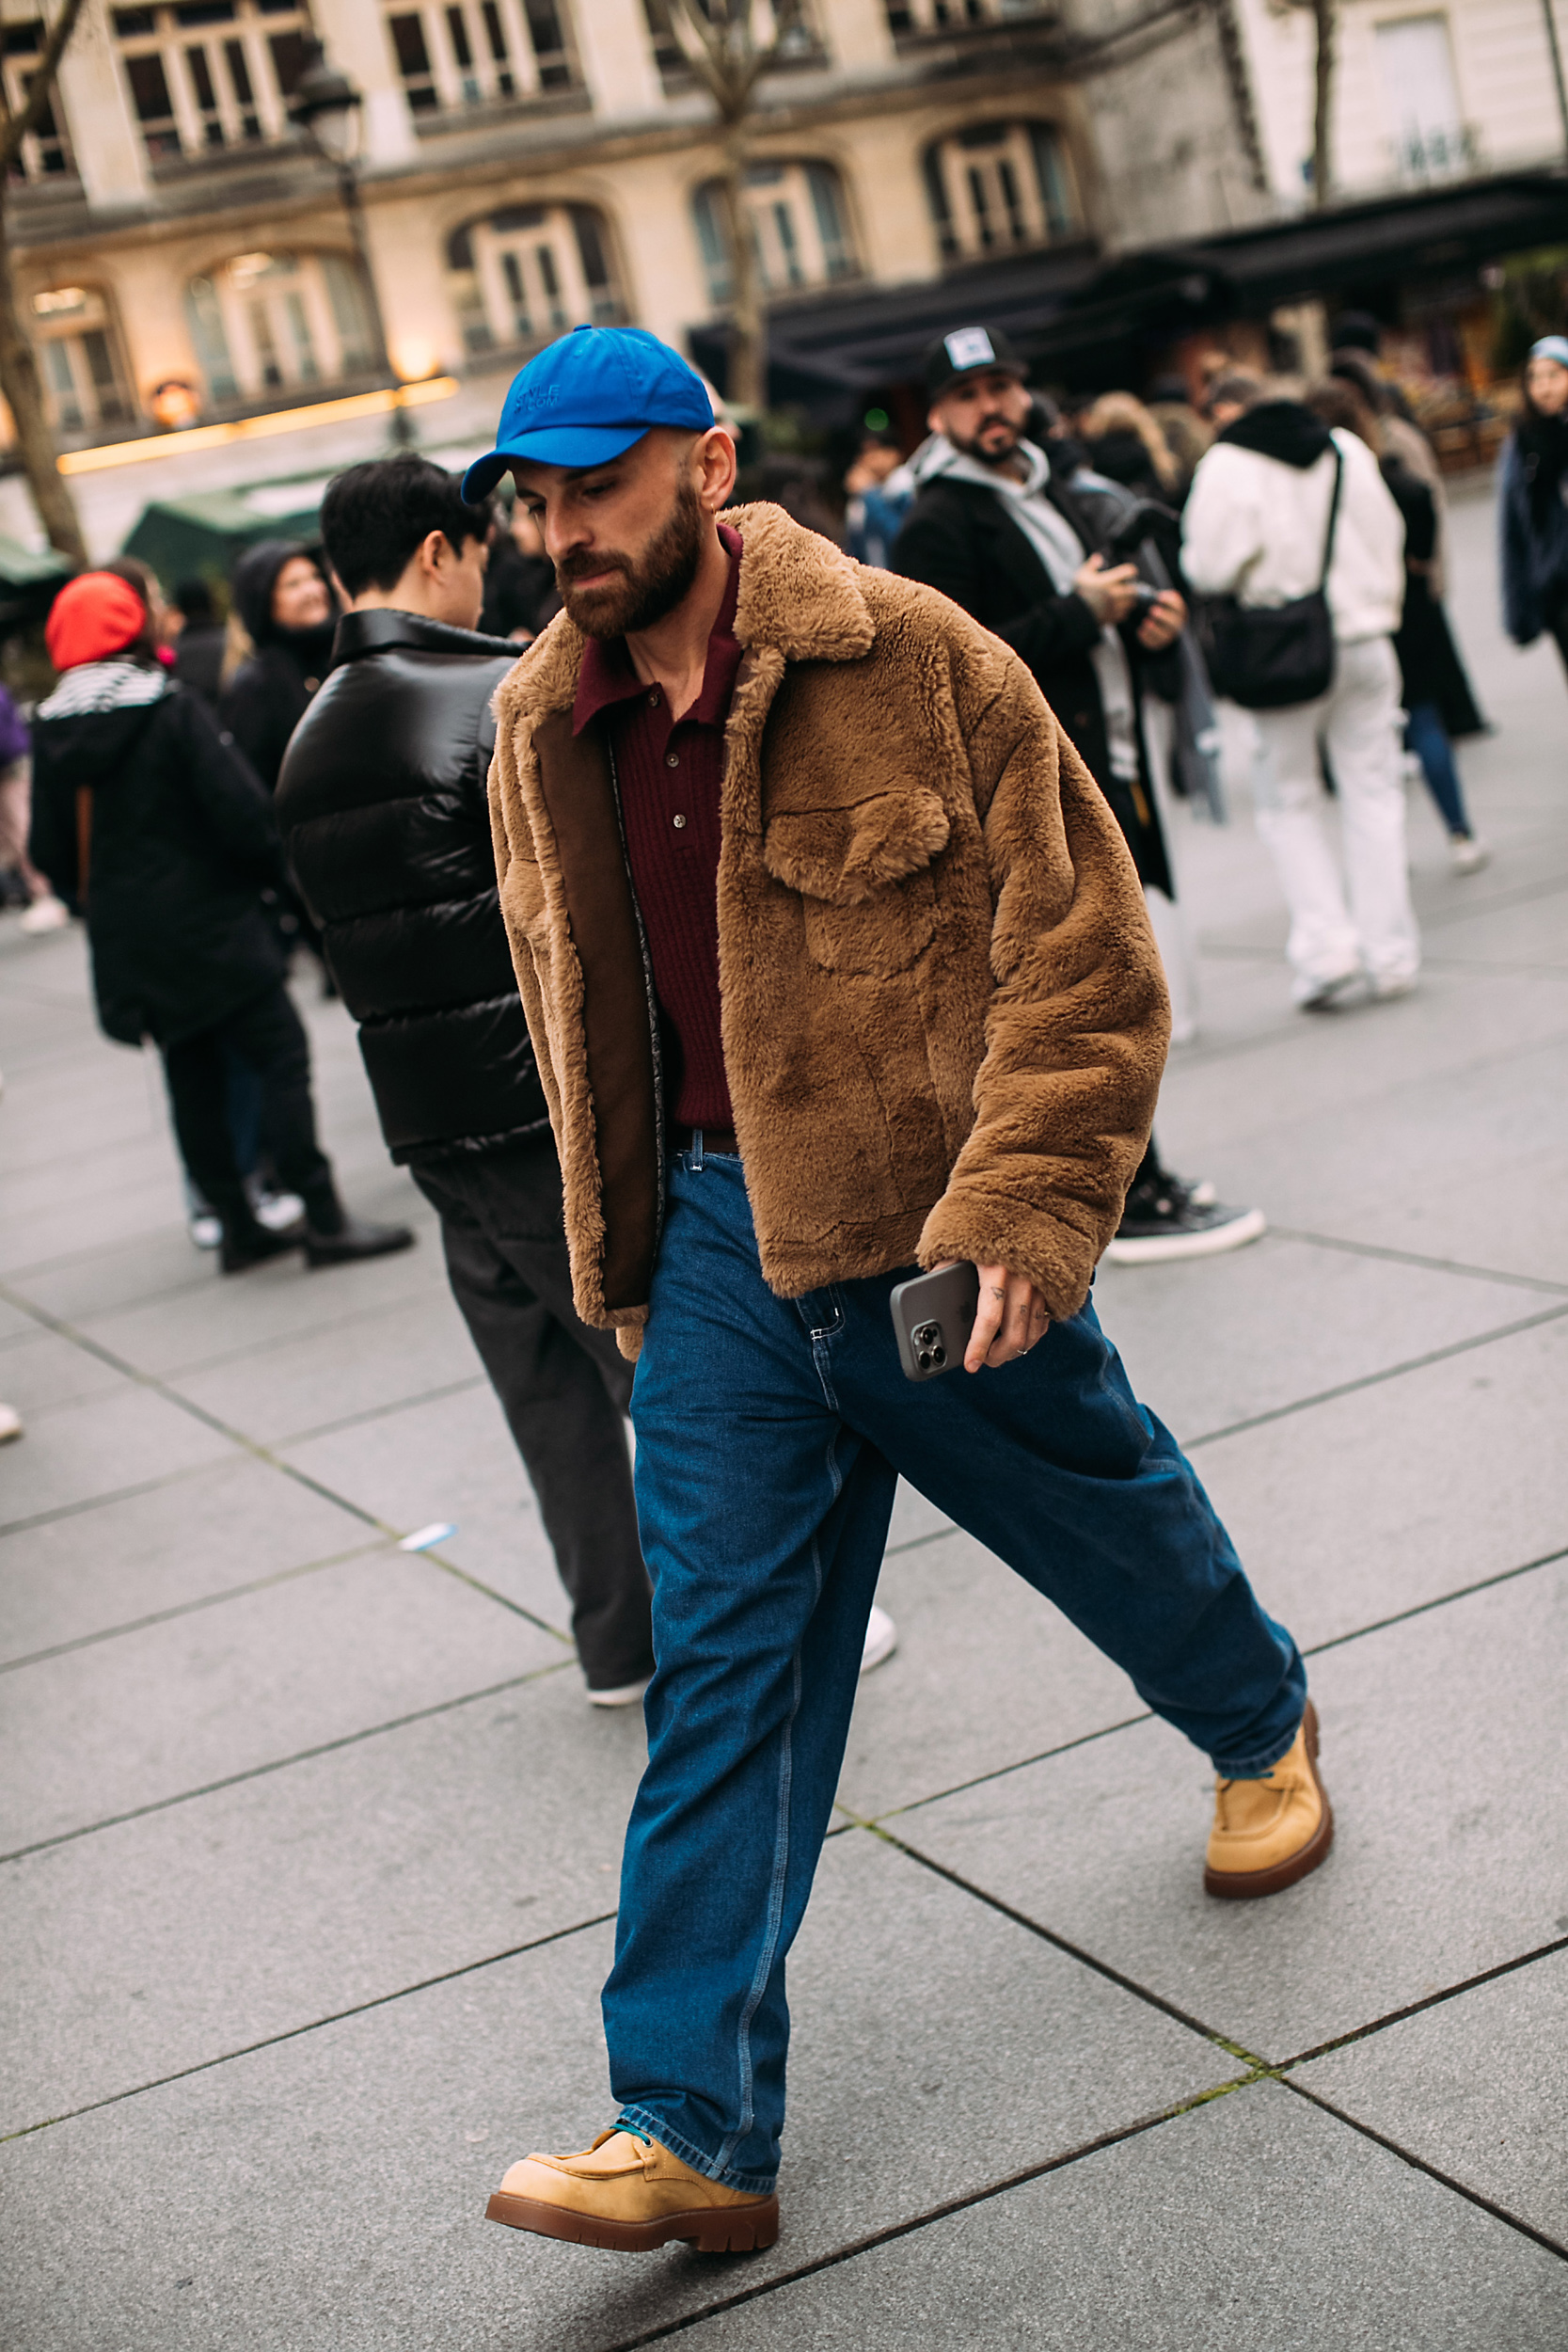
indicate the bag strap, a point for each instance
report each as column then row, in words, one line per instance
column 1332, row 514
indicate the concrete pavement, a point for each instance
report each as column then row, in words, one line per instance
column 309, row 1845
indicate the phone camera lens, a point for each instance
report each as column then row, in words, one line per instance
column 923, row 1360
column 927, row 1334
column 938, row 1356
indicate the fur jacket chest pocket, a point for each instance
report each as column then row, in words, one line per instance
column 862, row 872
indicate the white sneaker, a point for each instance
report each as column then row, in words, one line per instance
column 1468, row 853
column 205, row 1228
column 620, row 1694
column 47, row 914
column 1391, row 984
column 881, row 1639
column 279, row 1212
column 10, row 1423
column 1323, row 996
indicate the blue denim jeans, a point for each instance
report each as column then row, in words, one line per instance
column 769, row 1434
column 1428, row 738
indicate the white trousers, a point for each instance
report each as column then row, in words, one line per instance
column 1360, row 722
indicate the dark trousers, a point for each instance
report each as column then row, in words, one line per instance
column 564, row 1388
column 1559, row 627
column 267, row 1037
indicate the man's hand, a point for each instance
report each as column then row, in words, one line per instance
column 1163, row 622
column 1011, row 1316
column 1109, row 595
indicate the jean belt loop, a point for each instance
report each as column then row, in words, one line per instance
column 697, row 1151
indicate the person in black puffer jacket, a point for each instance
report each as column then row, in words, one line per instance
column 383, row 803
column 146, row 815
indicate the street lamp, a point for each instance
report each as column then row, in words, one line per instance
column 328, row 110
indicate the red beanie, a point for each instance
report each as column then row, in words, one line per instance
column 94, row 615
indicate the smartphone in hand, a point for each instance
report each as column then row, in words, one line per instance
column 933, row 1315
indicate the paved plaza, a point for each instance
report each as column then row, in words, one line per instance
column 311, row 1844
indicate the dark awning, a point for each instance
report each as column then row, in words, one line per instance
column 828, row 353
column 1164, row 291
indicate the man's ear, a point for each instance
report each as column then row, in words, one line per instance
column 718, row 459
column 434, row 549
column 933, row 420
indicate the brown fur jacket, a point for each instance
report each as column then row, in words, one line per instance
column 944, row 1015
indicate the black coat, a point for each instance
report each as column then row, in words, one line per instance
column 181, row 844
column 1429, row 668
column 960, row 538
column 270, row 691
column 383, row 809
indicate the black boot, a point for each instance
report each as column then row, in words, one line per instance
column 334, row 1237
column 245, row 1241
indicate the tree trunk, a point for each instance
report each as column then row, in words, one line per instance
column 748, row 358
column 1323, row 100
column 34, row 443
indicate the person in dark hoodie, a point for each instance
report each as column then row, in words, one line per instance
column 285, row 604
column 382, row 801
column 147, row 816
column 1281, row 506
column 198, row 642
column 1533, row 503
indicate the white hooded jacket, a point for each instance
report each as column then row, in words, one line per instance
column 1257, row 518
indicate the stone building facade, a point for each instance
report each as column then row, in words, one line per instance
column 527, row 164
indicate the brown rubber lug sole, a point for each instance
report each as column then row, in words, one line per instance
column 1241, row 1886
column 712, row 2229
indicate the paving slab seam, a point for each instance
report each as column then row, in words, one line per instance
column 896, row 2230
column 276, row 1341
column 1415, row 1258
column 188, row 1608
column 1428, row 2000
column 312, row 2025
column 1419, row 2163
column 469, row 1381
column 283, row 1763
column 1106, row 1731
column 115, row 1494
column 1425, row 1608
column 1379, row 1380
column 253, row 1446
column 1256, row 2066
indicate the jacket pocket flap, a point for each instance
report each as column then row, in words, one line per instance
column 845, row 855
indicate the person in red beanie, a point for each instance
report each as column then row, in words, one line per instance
column 146, row 815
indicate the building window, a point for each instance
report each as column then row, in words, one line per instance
column 800, row 234
column 951, row 16
column 526, row 275
column 208, row 74
column 998, row 186
column 1421, row 100
column 44, row 154
column 279, row 322
column 452, row 54
column 78, row 348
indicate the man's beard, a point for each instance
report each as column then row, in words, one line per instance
column 968, row 444
column 648, row 587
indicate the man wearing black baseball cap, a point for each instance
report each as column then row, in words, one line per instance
column 835, row 963
column 995, row 528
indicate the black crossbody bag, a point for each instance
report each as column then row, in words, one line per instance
column 1266, row 656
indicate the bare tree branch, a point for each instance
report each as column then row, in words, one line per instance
column 15, row 127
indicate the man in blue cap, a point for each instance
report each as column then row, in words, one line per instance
column 836, row 965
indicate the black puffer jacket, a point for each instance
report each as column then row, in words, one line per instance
column 179, row 846
column 382, row 804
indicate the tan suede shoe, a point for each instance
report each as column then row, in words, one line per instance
column 630, row 2195
column 1270, row 1831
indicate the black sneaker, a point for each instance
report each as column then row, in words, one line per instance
column 1170, row 1219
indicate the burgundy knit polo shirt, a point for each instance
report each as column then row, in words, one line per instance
column 670, row 777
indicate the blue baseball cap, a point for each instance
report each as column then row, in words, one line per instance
column 587, row 398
